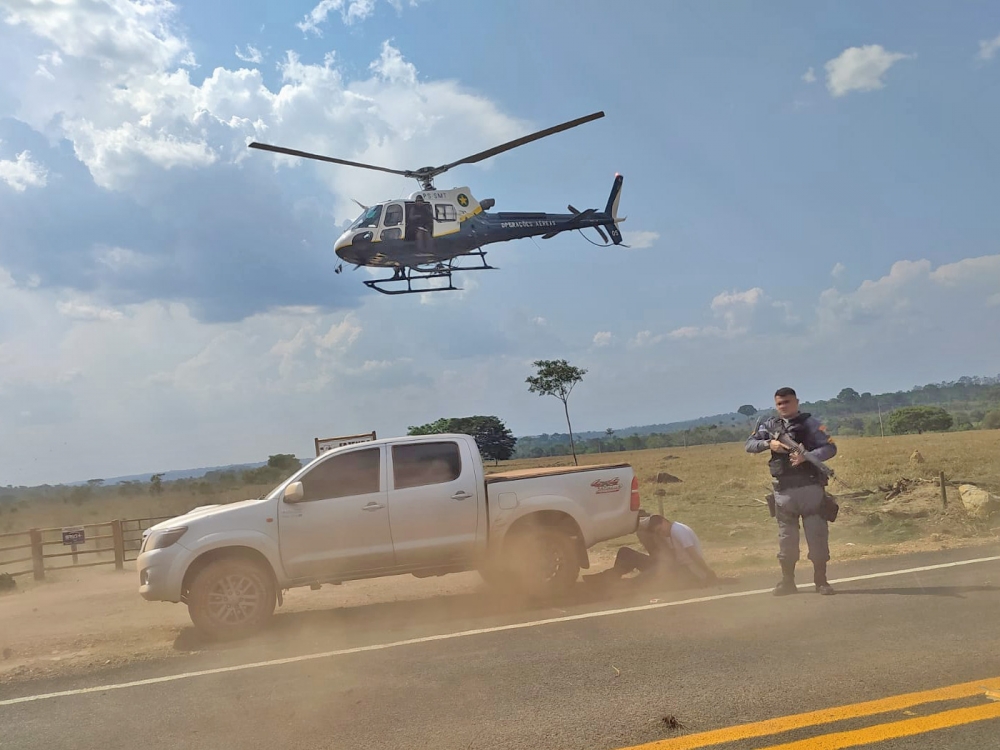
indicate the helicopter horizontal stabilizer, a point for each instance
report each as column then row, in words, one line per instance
column 577, row 220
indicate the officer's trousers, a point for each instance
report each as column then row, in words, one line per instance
column 801, row 502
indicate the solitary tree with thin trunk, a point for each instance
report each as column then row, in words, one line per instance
column 556, row 377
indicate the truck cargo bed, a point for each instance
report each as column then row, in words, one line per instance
column 505, row 476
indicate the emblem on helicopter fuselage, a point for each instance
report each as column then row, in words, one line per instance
column 463, row 200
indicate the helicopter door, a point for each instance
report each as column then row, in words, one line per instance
column 445, row 219
column 393, row 222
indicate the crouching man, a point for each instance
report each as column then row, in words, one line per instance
column 673, row 552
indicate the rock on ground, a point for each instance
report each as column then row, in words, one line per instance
column 978, row 502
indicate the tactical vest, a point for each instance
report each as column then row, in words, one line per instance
column 780, row 464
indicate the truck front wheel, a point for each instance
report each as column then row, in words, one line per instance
column 231, row 598
column 543, row 561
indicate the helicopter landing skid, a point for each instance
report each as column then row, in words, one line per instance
column 405, row 277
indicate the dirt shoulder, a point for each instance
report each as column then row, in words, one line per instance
column 92, row 619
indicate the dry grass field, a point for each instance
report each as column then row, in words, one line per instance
column 720, row 494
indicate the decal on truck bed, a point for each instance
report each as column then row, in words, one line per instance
column 606, row 485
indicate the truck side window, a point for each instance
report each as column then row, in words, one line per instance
column 354, row 473
column 421, row 464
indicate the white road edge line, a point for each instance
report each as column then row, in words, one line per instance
column 466, row 633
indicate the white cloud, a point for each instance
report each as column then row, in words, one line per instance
column 48, row 60
column 640, row 239
column 988, row 48
column 22, row 172
column 123, row 259
column 252, row 54
column 81, row 310
column 539, row 321
column 860, row 69
column 739, row 314
column 912, row 291
column 645, row 338
column 603, row 338
column 809, row 76
column 838, row 270
column 350, row 11
column 131, row 110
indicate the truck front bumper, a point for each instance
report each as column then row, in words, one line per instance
column 161, row 572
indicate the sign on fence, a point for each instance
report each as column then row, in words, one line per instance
column 74, row 535
column 325, row 444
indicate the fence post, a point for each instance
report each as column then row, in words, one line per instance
column 944, row 492
column 37, row 560
column 76, row 558
column 119, row 541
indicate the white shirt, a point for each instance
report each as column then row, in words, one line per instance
column 683, row 538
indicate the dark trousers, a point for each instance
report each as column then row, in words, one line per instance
column 629, row 559
column 801, row 503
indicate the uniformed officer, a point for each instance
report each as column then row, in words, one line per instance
column 799, row 489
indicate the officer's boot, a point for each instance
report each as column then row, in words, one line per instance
column 787, row 583
column 819, row 578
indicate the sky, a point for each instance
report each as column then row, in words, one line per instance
column 810, row 192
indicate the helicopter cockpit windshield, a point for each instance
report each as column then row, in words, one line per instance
column 369, row 219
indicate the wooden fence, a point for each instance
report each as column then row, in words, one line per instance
column 38, row 550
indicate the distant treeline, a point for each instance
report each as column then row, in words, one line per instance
column 973, row 403
column 278, row 468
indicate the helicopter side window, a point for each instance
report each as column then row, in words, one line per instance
column 445, row 212
column 393, row 215
column 368, row 219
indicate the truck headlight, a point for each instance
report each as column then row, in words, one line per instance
column 165, row 538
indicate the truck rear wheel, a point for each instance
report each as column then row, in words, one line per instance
column 231, row 598
column 543, row 562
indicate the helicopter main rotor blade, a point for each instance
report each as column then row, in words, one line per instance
column 521, row 141
column 307, row 155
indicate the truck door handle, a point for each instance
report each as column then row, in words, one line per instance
column 372, row 506
column 461, row 495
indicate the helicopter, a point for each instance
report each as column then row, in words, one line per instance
column 432, row 234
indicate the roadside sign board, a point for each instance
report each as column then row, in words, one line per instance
column 325, row 444
column 74, row 535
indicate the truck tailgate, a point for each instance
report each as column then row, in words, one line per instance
column 597, row 497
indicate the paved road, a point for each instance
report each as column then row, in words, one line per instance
column 585, row 678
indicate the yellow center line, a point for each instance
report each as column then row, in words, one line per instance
column 893, row 730
column 823, row 716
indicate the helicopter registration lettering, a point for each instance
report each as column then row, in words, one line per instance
column 526, row 224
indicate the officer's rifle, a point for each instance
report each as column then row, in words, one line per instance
column 785, row 438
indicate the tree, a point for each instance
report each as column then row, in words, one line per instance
column 432, row 428
column 848, row 396
column 991, row 421
column 749, row 411
column 156, row 484
column 284, row 462
column 918, row 419
column 494, row 440
column 556, row 377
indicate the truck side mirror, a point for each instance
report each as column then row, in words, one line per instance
column 293, row 493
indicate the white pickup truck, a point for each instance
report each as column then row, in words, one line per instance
column 420, row 505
